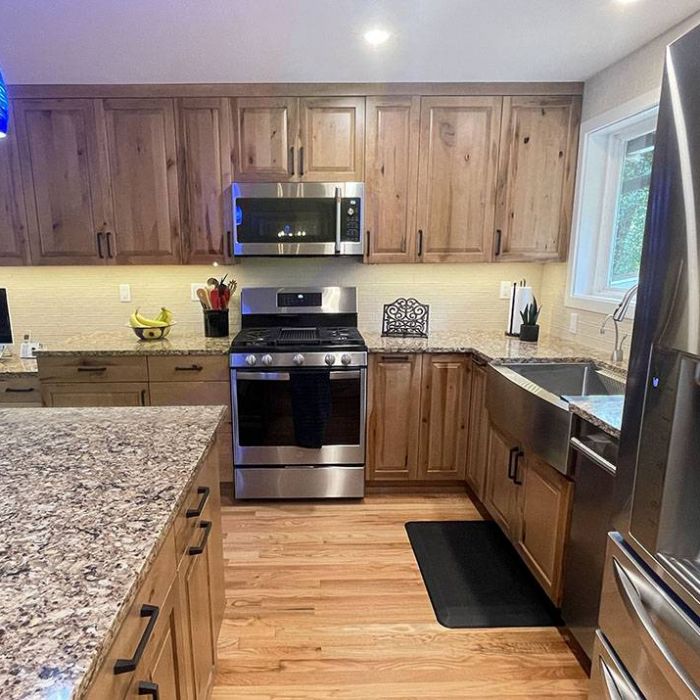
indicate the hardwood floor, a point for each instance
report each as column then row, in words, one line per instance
column 325, row 600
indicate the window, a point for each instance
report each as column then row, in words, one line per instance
column 615, row 172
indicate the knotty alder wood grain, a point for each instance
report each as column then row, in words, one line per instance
column 13, row 218
column 325, row 600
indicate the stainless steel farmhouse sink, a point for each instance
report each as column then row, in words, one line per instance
column 526, row 400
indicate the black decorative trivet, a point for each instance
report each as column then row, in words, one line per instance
column 405, row 318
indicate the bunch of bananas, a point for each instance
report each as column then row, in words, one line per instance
column 164, row 318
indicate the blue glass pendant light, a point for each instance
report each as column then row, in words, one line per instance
column 4, row 109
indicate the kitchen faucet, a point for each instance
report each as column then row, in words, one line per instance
column 617, row 317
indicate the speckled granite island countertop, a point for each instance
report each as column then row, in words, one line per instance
column 602, row 411
column 87, row 496
column 16, row 367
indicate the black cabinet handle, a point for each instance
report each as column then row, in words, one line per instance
column 301, row 160
column 189, row 368
column 198, row 549
column 499, row 236
column 369, row 247
column 143, row 397
column 229, row 244
column 511, row 462
column 100, row 254
column 109, row 244
column 146, row 688
column 518, row 455
column 420, row 242
column 92, row 369
column 11, row 390
column 290, row 164
column 203, row 491
column 129, row 665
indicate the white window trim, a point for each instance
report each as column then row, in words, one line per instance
column 606, row 300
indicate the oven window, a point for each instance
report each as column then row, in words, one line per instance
column 266, row 418
column 289, row 220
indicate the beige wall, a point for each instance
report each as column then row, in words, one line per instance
column 59, row 302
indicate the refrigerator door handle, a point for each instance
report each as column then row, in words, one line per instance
column 638, row 596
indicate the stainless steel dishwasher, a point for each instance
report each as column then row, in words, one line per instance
column 592, row 466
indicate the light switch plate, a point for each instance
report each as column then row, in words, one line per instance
column 505, row 289
column 124, row 292
column 573, row 323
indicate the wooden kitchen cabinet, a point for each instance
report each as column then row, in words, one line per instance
column 309, row 139
column 478, row 443
column 445, row 392
column 393, row 416
column 545, row 506
column 63, row 179
column 20, row 392
column 204, row 168
column 391, row 180
column 459, row 139
column 80, row 394
column 539, row 142
column 14, row 247
column 501, row 492
column 144, row 198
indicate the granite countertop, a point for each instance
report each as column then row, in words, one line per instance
column 87, row 497
column 602, row 411
column 16, row 367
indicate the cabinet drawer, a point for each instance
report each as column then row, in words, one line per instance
column 191, row 394
column 93, row 368
column 189, row 368
column 153, row 591
column 20, row 391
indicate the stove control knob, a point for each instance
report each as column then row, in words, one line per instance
column 250, row 360
column 345, row 359
column 266, row 360
column 329, row 359
column 298, row 359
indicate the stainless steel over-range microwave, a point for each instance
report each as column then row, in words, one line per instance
column 303, row 218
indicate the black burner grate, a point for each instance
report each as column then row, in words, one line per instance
column 290, row 336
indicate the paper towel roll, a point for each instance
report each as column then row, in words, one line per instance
column 520, row 297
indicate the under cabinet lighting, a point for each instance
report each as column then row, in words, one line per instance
column 376, row 37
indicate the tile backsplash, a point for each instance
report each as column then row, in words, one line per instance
column 54, row 303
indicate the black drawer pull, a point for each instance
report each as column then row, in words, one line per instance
column 198, row 549
column 203, row 491
column 146, row 688
column 511, row 462
column 518, row 455
column 190, row 368
column 395, row 358
column 129, row 665
column 12, row 390
column 92, row 369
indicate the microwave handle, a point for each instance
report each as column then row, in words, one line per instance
column 338, row 214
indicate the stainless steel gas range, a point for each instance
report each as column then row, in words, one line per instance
column 298, row 393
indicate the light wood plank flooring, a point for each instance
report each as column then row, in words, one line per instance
column 325, row 600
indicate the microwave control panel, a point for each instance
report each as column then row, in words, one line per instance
column 350, row 221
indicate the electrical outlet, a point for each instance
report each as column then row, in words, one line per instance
column 125, row 292
column 573, row 323
column 194, row 286
column 505, row 289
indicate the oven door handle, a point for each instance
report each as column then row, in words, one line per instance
column 284, row 376
column 338, row 215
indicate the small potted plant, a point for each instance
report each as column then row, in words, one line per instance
column 530, row 330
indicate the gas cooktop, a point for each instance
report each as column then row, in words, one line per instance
column 311, row 338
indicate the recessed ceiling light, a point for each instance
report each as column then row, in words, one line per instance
column 376, row 37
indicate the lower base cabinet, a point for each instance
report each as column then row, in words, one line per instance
column 501, row 491
column 478, row 442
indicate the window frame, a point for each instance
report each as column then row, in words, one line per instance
column 596, row 201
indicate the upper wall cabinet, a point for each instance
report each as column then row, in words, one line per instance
column 391, row 180
column 308, row 139
column 539, row 140
column 457, row 177
column 13, row 219
column 63, row 180
column 144, row 199
column 204, row 167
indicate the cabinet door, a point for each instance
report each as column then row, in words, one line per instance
column 332, row 138
column 63, row 179
column 478, row 443
column 103, row 394
column 457, row 177
column 13, row 218
column 265, row 138
column 545, row 507
column 205, row 178
column 144, row 202
column 391, row 161
column 394, row 416
column 446, row 385
column 539, row 141
column 501, row 490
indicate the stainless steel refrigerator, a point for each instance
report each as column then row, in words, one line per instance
column 648, row 642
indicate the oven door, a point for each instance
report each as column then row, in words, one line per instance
column 318, row 218
column 263, row 419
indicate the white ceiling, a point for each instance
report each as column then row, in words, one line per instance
column 132, row 41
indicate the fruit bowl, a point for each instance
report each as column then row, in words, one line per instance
column 151, row 332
